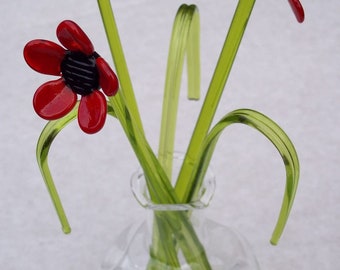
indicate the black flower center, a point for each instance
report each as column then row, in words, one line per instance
column 80, row 72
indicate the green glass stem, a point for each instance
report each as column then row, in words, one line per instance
column 184, row 41
column 45, row 140
column 44, row 143
column 279, row 139
column 217, row 84
column 119, row 59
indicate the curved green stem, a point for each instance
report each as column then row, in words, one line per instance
column 184, row 41
column 214, row 93
column 45, row 140
column 44, row 143
column 279, row 139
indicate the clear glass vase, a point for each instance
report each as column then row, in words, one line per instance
column 178, row 236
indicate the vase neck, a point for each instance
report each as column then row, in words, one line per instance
column 140, row 191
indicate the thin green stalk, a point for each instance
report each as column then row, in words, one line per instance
column 159, row 186
column 214, row 93
column 279, row 139
column 119, row 59
column 184, row 41
column 125, row 106
column 45, row 140
column 44, row 143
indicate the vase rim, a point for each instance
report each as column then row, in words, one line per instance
column 140, row 191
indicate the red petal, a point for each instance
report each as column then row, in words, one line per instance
column 298, row 10
column 44, row 56
column 53, row 100
column 92, row 112
column 74, row 38
column 107, row 78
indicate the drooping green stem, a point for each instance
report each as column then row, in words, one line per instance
column 119, row 59
column 45, row 140
column 279, row 139
column 44, row 143
column 217, row 84
column 184, row 41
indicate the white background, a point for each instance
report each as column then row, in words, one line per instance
column 286, row 70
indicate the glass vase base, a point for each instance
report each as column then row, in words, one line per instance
column 226, row 249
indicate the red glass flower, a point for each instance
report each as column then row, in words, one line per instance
column 83, row 72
